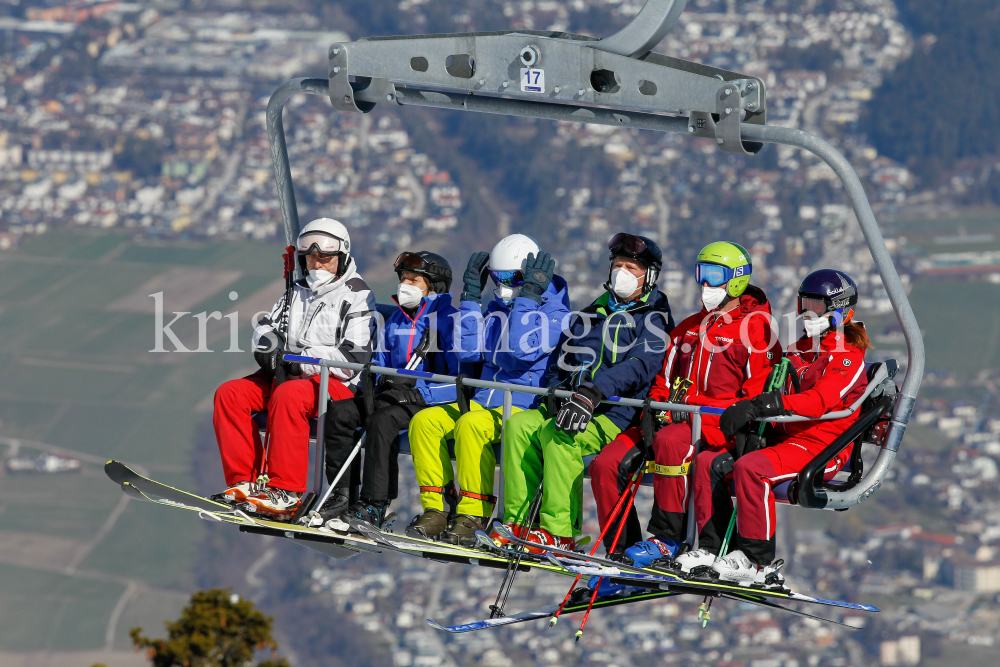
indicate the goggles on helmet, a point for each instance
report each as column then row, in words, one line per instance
column 508, row 278
column 715, row 275
column 811, row 304
column 411, row 261
column 627, row 244
column 318, row 242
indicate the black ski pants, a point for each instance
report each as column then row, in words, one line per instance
column 380, row 479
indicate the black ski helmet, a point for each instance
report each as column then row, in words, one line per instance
column 430, row 265
column 828, row 291
column 641, row 249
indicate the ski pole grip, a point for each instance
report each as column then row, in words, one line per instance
column 460, row 397
column 368, row 388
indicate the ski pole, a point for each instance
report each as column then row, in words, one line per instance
column 496, row 609
column 340, row 473
column 614, row 543
column 611, row 519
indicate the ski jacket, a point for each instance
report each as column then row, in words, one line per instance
column 619, row 351
column 515, row 343
column 333, row 322
column 727, row 356
column 831, row 378
column 403, row 332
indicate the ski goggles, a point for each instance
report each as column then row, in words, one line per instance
column 411, row 261
column 811, row 304
column 318, row 242
column 717, row 275
column 627, row 244
column 508, row 278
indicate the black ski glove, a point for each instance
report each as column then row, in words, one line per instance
column 268, row 353
column 537, row 276
column 403, row 396
column 475, row 276
column 747, row 442
column 576, row 412
column 389, row 382
column 742, row 413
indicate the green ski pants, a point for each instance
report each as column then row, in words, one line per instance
column 474, row 434
column 534, row 447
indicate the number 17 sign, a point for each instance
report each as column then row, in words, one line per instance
column 532, row 80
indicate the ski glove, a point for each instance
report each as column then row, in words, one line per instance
column 741, row 413
column 403, row 396
column 537, row 276
column 577, row 411
column 389, row 382
column 268, row 353
column 475, row 276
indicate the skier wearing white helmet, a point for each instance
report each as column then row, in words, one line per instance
column 326, row 314
column 513, row 340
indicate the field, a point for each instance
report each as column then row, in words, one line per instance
column 79, row 565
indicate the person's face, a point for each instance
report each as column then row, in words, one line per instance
column 635, row 268
column 324, row 262
column 415, row 279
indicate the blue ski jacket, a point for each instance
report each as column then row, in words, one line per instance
column 515, row 343
column 619, row 351
column 402, row 333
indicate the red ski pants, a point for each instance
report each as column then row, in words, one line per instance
column 289, row 407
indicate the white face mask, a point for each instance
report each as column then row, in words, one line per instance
column 623, row 283
column 507, row 294
column 409, row 295
column 712, row 296
column 319, row 277
column 814, row 326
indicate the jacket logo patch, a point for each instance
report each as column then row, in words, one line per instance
column 770, row 355
column 847, row 362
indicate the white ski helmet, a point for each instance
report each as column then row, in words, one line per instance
column 511, row 253
column 326, row 236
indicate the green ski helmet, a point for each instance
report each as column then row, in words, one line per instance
column 724, row 262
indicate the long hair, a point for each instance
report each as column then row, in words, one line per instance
column 855, row 335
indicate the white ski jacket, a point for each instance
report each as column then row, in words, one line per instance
column 334, row 322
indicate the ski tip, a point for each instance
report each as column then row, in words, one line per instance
column 435, row 625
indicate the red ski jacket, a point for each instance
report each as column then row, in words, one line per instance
column 727, row 356
column 831, row 378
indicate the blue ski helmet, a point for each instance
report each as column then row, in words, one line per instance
column 829, row 291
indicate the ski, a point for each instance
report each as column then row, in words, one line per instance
column 764, row 602
column 136, row 493
column 158, row 492
column 698, row 586
column 503, row 531
column 550, row 610
column 445, row 552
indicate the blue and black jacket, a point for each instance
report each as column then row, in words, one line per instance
column 514, row 342
column 402, row 333
column 619, row 351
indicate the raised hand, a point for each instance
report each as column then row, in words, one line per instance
column 537, row 275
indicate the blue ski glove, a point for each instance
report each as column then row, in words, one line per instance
column 576, row 412
column 475, row 276
column 537, row 276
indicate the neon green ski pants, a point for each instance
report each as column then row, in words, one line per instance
column 474, row 434
column 533, row 448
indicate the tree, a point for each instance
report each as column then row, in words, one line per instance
column 216, row 629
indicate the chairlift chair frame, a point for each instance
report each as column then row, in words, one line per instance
column 615, row 81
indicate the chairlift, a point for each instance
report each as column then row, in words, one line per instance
column 615, row 81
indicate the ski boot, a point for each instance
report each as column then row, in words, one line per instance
column 518, row 531
column 272, row 503
column 235, row 494
column 543, row 537
column 696, row 562
column 739, row 569
column 644, row 553
column 428, row 526
column 462, row 530
column 335, row 505
column 372, row 511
